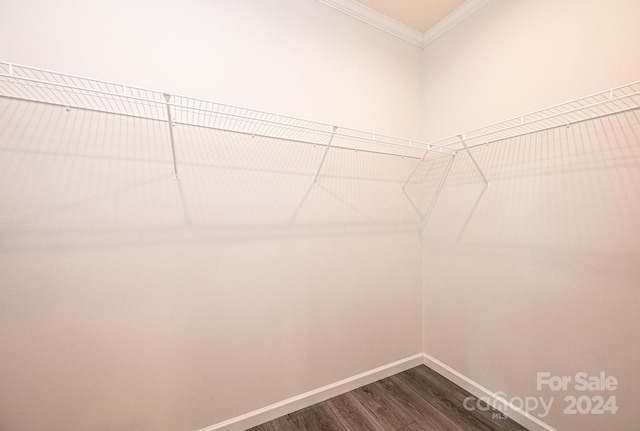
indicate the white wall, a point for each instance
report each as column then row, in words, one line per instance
column 512, row 57
column 298, row 58
column 129, row 301
column 538, row 273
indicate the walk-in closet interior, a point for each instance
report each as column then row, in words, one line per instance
column 216, row 213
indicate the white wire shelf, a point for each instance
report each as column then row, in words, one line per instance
column 71, row 91
column 609, row 102
column 613, row 101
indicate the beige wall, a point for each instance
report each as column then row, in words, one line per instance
column 293, row 57
column 512, row 57
column 130, row 301
column 538, row 273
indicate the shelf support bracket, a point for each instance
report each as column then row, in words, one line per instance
column 473, row 159
column 167, row 97
column 324, row 156
column 424, row 156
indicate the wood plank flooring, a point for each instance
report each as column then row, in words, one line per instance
column 418, row 399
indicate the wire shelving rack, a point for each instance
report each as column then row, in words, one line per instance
column 76, row 92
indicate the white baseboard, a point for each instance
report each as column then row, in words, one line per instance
column 523, row 418
column 307, row 399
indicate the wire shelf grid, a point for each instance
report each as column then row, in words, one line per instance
column 71, row 91
column 614, row 101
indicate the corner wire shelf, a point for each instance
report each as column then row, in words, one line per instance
column 71, row 91
column 609, row 102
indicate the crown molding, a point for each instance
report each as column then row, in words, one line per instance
column 373, row 17
column 451, row 20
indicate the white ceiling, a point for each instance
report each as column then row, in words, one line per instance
column 418, row 14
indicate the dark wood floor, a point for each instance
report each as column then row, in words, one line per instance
column 418, row 399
